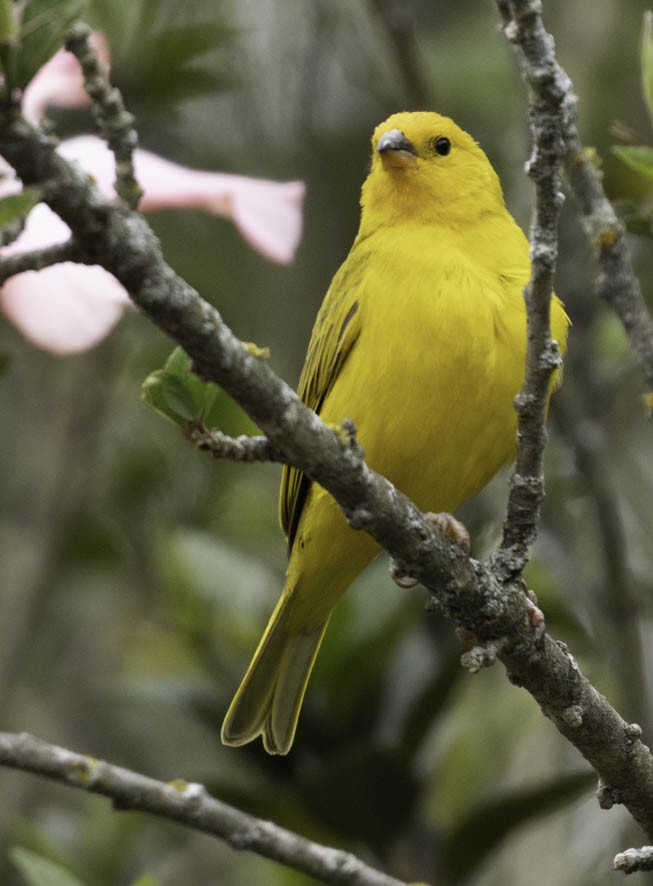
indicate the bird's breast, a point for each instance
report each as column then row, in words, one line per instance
column 431, row 379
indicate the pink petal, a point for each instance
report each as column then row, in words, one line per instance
column 68, row 307
column 43, row 227
column 60, row 82
column 269, row 216
column 95, row 158
column 65, row 308
column 267, row 213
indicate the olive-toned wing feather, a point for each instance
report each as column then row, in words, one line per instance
column 336, row 329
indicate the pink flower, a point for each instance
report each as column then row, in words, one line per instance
column 267, row 213
column 68, row 308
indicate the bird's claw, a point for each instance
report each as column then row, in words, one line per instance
column 452, row 529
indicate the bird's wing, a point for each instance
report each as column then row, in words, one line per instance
column 336, row 329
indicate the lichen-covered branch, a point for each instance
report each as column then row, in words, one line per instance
column 115, row 123
column 552, row 118
column 634, row 860
column 241, row 448
column 189, row 805
column 617, row 283
column 548, row 111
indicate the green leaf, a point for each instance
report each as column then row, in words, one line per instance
column 640, row 223
column 175, row 66
column 179, row 397
column 157, row 64
column 176, row 393
column 637, row 157
column 8, row 21
column 17, row 206
column 647, row 61
column 37, row 870
column 491, row 821
column 185, row 43
column 43, row 30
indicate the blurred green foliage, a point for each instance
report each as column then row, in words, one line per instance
column 41, row 27
column 136, row 573
column 17, row 206
column 40, row 871
column 638, row 213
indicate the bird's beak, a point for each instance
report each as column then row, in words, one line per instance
column 396, row 151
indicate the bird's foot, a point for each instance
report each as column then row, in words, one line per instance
column 400, row 578
column 452, row 529
column 535, row 614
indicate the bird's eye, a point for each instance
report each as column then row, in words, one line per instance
column 442, row 146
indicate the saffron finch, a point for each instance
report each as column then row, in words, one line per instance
column 421, row 340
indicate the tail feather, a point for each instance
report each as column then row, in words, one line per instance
column 270, row 695
column 292, row 678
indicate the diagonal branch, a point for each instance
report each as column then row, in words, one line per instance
column 189, row 805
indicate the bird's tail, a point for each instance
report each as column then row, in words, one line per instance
column 270, row 695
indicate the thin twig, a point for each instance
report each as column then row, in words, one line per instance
column 190, row 805
column 116, row 124
column 38, row 259
column 241, row 448
column 633, row 860
column 547, row 112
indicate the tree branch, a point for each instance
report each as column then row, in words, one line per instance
column 633, row 860
column 115, row 123
column 552, row 118
column 189, row 805
column 616, row 283
column 547, row 112
column 241, row 448
column 39, row 259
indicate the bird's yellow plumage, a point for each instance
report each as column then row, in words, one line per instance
column 421, row 340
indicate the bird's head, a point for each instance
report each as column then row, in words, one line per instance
column 426, row 167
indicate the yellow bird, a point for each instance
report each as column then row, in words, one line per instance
column 421, row 340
